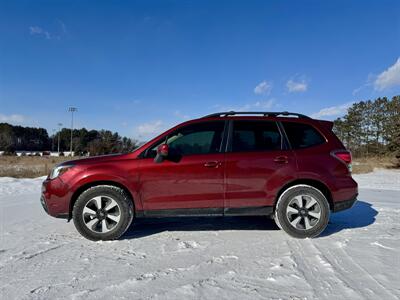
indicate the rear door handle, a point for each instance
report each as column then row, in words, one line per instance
column 281, row 159
column 212, row 164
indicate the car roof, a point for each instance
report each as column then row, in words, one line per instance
column 259, row 113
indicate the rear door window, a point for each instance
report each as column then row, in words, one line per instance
column 302, row 135
column 255, row 136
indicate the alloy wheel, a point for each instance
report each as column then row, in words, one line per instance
column 101, row 214
column 303, row 212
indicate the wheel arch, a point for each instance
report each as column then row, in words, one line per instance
column 88, row 185
column 319, row 185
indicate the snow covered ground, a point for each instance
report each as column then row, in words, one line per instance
column 357, row 257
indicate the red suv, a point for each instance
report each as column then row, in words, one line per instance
column 279, row 164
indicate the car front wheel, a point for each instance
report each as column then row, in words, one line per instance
column 102, row 213
column 302, row 211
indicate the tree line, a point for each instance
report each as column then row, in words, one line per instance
column 93, row 142
column 371, row 127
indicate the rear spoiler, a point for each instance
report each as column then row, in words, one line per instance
column 326, row 124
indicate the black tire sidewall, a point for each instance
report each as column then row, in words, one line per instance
column 283, row 202
column 124, row 202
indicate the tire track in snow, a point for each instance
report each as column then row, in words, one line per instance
column 27, row 256
column 171, row 277
column 352, row 272
column 40, row 252
column 318, row 272
column 218, row 286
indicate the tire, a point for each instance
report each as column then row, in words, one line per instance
column 302, row 211
column 103, row 212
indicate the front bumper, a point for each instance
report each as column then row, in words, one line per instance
column 55, row 198
column 343, row 205
column 44, row 204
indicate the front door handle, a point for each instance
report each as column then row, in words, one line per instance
column 212, row 164
column 281, row 159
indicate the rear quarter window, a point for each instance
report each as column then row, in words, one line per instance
column 302, row 135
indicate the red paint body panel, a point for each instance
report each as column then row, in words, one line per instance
column 186, row 184
column 119, row 169
column 222, row 180
column 254, row 178
column 56, row 194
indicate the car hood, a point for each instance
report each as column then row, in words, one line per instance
column 99, row 159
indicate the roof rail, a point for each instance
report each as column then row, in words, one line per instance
column 264, row 113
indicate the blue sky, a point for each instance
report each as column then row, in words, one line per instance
column 138, row 67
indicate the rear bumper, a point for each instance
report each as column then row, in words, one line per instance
column 343, row 205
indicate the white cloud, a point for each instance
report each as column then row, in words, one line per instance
column 180, row 115
column 388, row 78
column 370, row 80
column 63, row 27
column 263, row 88
column 357, row 90
column 151, row 128
column 332, row 111
column 14, row 118
column 259, row 105
column 36, row 30
column 296, row 86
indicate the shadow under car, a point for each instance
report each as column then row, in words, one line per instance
column 362, row 214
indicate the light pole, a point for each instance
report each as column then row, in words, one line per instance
column 72, row 110
column 59, row 129
column 52, row 140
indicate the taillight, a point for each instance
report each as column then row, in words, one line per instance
column 344, row 156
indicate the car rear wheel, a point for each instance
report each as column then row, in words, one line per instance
column 302, row 211
column 103, row 212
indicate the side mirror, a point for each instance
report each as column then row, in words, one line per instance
column 163, row 150
column 162, row 153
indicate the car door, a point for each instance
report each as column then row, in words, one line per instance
column 192, row 177
column 258, row 163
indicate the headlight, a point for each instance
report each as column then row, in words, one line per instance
column 57, row 171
